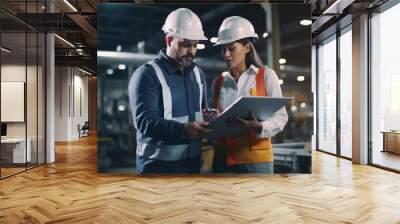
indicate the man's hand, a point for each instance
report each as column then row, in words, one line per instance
column 196, row 129
column 252, row 123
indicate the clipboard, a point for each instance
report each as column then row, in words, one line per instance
column 262, row 107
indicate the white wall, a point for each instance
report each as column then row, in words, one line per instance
column 80, row 105
column 61, row 103
column 71, row 93
column 14, row 73
column 33, row 126
column 17, row 73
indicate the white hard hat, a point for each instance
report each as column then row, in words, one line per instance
column 235, row 28
column 184, row 23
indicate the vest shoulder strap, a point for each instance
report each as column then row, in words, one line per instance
column 166, row 92
column 198, row 79
column 260, row 86
column 218, row 85
column 260, row 82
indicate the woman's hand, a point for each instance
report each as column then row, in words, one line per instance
column 252, row 123
column 210, row 114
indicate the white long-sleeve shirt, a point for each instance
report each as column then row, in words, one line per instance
column 230, row 91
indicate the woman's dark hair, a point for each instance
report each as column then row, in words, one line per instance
column 251, row 57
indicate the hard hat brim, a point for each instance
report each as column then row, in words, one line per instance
column 219, row 43
column 202, row 37
column 197, row 38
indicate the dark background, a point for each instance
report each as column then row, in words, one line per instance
column 136, row 29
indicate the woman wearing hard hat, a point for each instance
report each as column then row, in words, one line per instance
column 247, row 76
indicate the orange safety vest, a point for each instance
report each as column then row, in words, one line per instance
column 247, row 148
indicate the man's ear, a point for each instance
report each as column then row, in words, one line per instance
column 168, row 40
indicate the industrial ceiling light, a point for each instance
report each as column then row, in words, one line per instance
column 121, row 66
column 201, row 46
column 84, row 71
column 281, row 81
column 65, row 41
column 300, row 78
column 110, row 71
column 70, row 5
column 121, row 108
column 282, row 61
column 330, row 8
column 5, row 50
column 214, row 40
column 141, row 44
column 265, row 35
column 337, row 7
column 118, row 48
column 303, row 105
column 305, row 22
column 293, row 108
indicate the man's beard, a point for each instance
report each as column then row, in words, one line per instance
column 186, row 60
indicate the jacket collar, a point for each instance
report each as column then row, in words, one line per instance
column 251, row 70
column 170, row 64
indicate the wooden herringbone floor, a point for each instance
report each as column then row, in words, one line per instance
column 71, row 191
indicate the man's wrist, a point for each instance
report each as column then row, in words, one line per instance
column 184, row 134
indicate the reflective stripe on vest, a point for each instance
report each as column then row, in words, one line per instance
column 159, row 151
column 199, row 114
column 167, row 99
column 246, row 148
column 198, row 79
column 166, row 92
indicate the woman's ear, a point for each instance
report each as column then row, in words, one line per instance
column 247, row 48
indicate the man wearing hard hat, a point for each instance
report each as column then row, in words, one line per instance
column 167, row 95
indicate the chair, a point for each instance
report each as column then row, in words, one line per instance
column 84, row 130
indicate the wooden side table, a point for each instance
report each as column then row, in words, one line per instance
column 391, row 141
